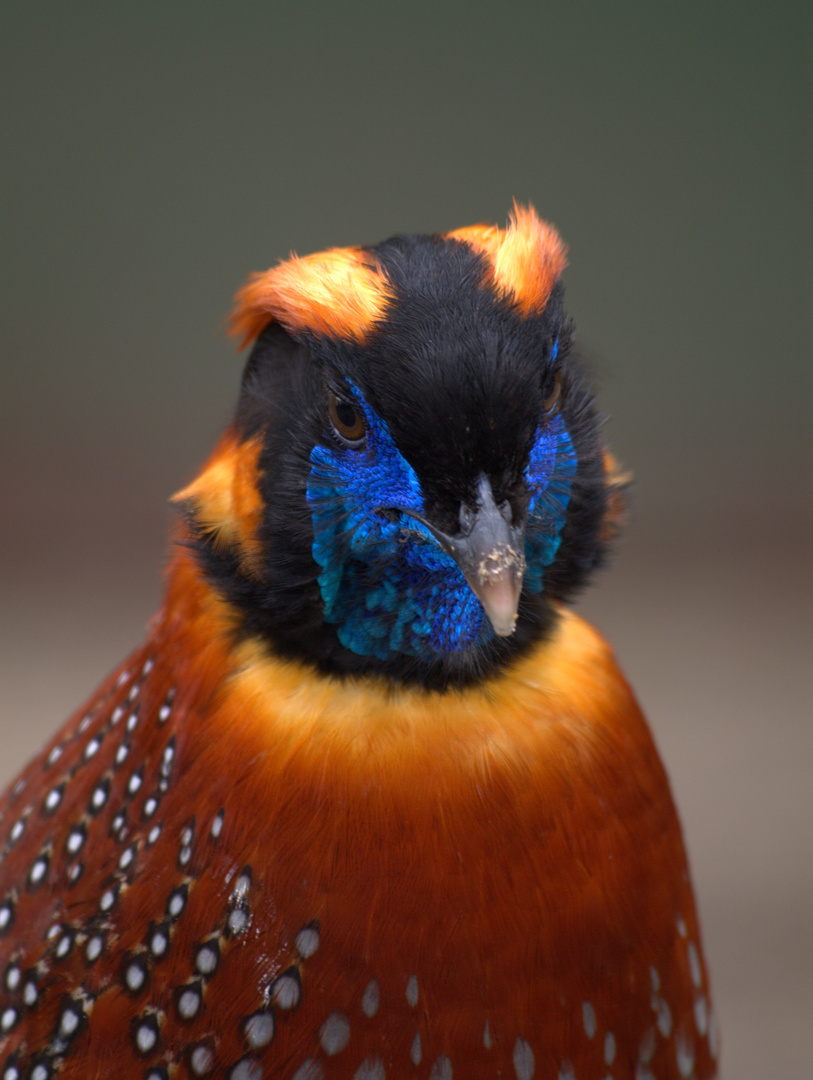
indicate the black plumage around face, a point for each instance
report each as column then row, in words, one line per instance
column 461, row 380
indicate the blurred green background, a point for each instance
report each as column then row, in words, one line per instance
column 154, row 155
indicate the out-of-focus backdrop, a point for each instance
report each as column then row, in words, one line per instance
column 153, row 155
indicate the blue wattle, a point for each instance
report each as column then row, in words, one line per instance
column 549, row 475
column 386, row 585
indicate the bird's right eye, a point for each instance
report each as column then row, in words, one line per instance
column 552, row 391
column 347, row 419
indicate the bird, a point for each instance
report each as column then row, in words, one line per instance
column 371, row 801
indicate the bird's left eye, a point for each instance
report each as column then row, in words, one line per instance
column 346, row 419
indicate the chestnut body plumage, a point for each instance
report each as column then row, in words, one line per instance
column 369, row 802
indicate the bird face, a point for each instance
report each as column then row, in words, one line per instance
column 425, row 454
column 392, row 580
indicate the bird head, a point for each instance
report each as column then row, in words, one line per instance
column 414, row 479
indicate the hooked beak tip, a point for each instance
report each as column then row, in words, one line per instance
column 497, row 583
column 490, row 555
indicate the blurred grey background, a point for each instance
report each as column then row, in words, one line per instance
column 154, row 154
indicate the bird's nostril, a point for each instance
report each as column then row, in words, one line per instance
column 466, row 519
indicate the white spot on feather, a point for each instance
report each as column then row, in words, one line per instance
column 189, row 1002
column 285, row 992
column 589, row 1019
column 237, row 921
column 68, row 1023
column 201, row 1060
column 145, row 1038
column 309, row 1070
column 64, row 946
column 524, row 1060
column 370, row 998
column 38, row 871
column 93, row 949
column 701, row 1014
column 259, row 1029
column 108, row 900
column 159, row 942
column 206, row 959
column 370, row 1069
column 8, row 1019
column 135, row 977
column 76, row 837
column 334, row 1034
column 694, row 965
column 127, row 856
column 664, row 1018
column 684, row 1053
column 307, row 941
column 415, row 1052
column 647, row 1047
column 247, row 1069
column 53, row 799
column 442, row 1069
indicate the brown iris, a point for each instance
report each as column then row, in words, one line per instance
column 346, row 418
column 554, row 389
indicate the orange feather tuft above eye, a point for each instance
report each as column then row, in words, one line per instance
column 340, row 293
column 525, row 260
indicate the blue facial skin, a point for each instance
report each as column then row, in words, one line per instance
column 386, row 585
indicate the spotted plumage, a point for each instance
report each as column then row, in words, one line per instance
column 370, row 802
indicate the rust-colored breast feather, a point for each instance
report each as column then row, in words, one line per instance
column 228, row 866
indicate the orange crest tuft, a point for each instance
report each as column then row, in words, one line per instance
column 225, row 498
column 344, row 293
column 525, row 259
column 339, row 293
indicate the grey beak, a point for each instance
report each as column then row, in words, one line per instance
column 490, row 552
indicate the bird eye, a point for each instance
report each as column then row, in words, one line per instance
column 553, row 388
column 346, row 419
